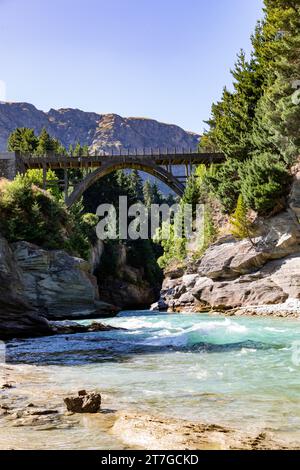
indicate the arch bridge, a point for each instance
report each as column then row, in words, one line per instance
column 164, row 165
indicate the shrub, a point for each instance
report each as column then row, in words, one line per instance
column 264, row 183
column 28, row 213
column 240, row 226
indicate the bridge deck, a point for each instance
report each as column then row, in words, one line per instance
column 161, row 159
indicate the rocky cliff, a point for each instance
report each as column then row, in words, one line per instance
column 261, row 276
column 127, row 286
column 17, row 317
column 98, row 131
column 38, row 285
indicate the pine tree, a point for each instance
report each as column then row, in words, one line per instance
column 264, row 183
column 46, row 145
column 278, row 114
column 22, row 140
column 135, row 185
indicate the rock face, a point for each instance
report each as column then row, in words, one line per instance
column 128, row 287
column 17, row 317
column 38, row 285
column 59, row 285
column 234, row 274
column 98, row 131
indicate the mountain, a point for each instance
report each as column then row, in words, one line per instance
column 98, row 131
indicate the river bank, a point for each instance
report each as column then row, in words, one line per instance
column 220, row 382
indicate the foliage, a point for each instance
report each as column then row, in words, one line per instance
column 224, row 183
column 28, row 213
column 174, row 248
column 36, row 177
column 260, row 118
column 210, row 231
column 22, row 140
column 240, row 225
column 31, row 214
column 145, row 250
column 83, row 233
column 265, row 181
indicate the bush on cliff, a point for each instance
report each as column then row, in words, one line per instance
column 29, row 213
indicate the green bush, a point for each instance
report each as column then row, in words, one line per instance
column 31, row 214
column 264, row 183
column 28, row 213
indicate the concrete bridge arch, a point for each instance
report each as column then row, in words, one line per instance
column 148, row 167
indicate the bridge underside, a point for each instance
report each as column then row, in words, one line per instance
column 158, row 172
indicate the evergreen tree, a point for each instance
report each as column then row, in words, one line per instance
column 22, row 140
column 260, row 119
column 264, row 183
column 46, row 145
column 135, row 185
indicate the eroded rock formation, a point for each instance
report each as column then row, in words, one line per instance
column 244, row 274
column 38, row 285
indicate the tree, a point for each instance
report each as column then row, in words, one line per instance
column 231, row 122
column 278, row 115
column 240, row 225
column 46, row 144
column 224, row 183
column 264, row 183
column 135, row 185
column 260, row 118
column 22, row 140
column 36, row 177
column 192, row 192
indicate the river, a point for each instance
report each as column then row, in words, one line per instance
column 237, row 372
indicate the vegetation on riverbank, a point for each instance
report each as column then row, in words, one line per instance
column 256, row 125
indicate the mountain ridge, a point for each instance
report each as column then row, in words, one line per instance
column 98, row 131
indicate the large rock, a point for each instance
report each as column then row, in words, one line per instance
column 230, row 259
column 17, row 317
column 234, row 274
column 84, row 402
column 59, row 285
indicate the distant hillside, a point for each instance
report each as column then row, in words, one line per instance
column 98, row 131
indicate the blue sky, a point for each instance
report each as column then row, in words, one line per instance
column 162, row 59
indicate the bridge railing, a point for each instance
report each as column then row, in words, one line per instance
column 127, row 155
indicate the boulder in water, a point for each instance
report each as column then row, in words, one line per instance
column 84, row 402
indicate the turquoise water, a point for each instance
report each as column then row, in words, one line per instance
column 240, row 372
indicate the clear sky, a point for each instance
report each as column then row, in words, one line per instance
column 162, row 59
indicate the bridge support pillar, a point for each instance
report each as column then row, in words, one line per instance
column 8, row 165
column 66, row 184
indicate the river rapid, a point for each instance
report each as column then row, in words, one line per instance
column 242, row 373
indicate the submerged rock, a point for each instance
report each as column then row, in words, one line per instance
column 84, row 402
column 159, row 306
column 71, row 327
